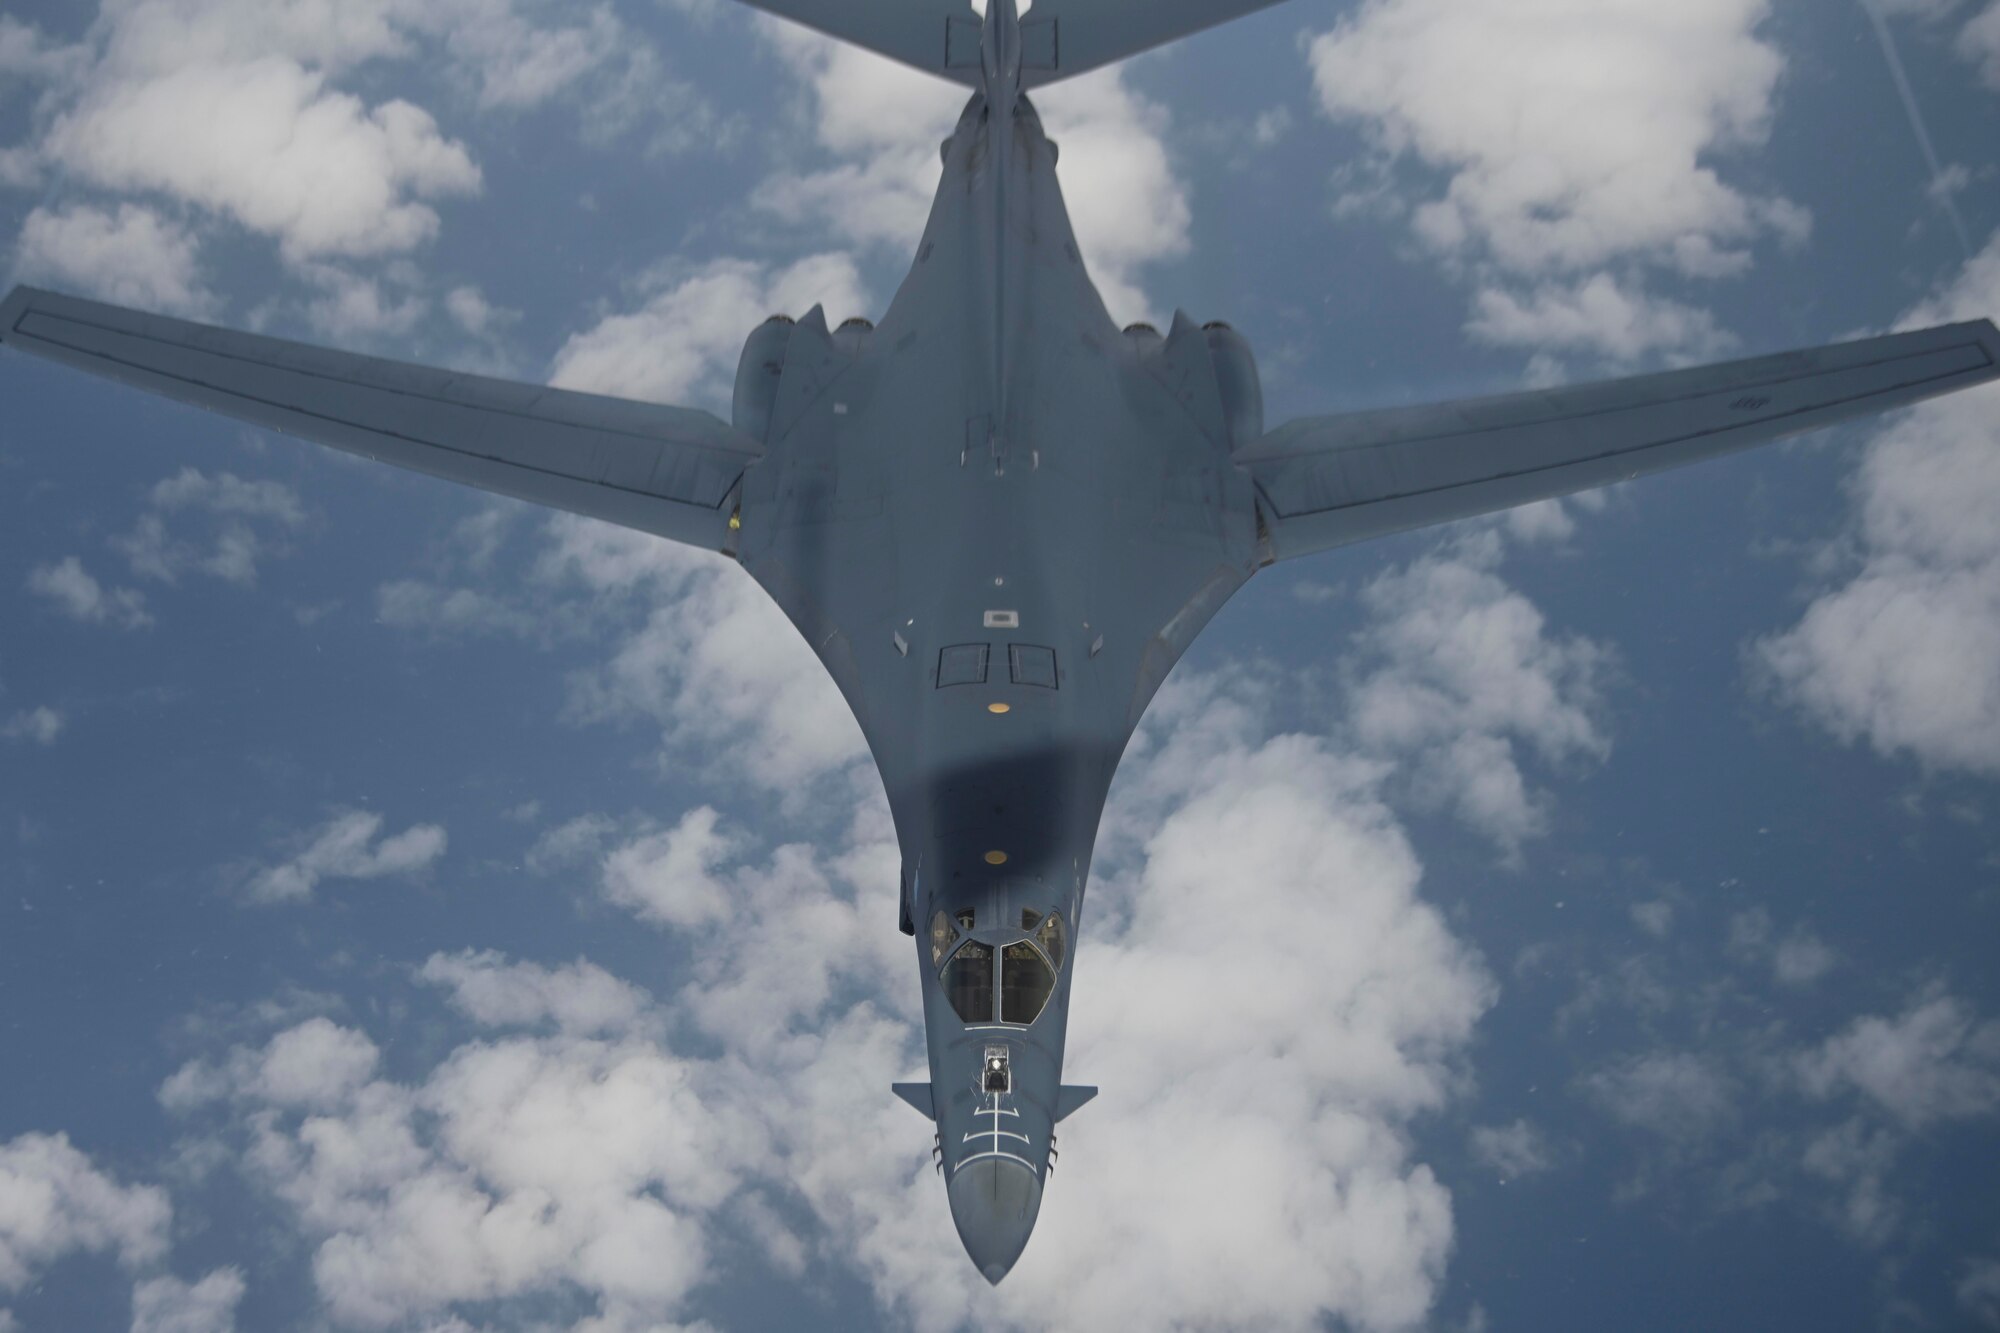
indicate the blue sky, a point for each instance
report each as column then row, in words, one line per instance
column 426, row 913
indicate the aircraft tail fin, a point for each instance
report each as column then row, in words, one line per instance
column 1059, row 38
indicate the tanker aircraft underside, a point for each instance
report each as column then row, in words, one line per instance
column 998, row 518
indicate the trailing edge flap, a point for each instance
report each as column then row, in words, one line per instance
column 918, row 1095
column 1069, row 1097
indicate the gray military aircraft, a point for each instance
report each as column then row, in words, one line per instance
column 998, row 518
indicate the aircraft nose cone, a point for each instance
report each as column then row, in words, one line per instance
column 994, row 1203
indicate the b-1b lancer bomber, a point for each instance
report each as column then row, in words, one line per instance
column 998, row 518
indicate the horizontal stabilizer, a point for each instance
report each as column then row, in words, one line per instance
column 918, row 1095
column 1059, row 38
column 1069, row 1097
column 1087, row 34
column 939, row 37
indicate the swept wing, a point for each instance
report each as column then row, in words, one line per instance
column 665, row 470
column 1326, row 481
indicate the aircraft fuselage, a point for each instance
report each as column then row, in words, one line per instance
column 1030, row 526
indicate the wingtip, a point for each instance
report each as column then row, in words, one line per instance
column 13, row 307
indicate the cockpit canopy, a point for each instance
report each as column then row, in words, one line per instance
column 1027, row 969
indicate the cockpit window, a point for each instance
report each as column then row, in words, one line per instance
column 1025, row 983
column 942, row 938
column 1029, row 918
column 1052, row 939
column 968, row 982
column 965, row 918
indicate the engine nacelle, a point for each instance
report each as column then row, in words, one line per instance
column 757, row 375
column 1236, row 377
column 1145, row 338
column 852, row 335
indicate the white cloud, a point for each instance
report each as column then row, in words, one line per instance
column 1127, row 206
column 41, row 725
column 1978, row 1291
column 1598, row 316
column 578, row 997
column 1802, row 958
column 570, row 843
column 715, row 663
column 1934, row 1062
column 1900, row 656
column 1454, row 669
column 54, row 1202
column 1980, row 41
column 316, row 1065
column 471, row 311
column 1679, row 1096
column 168, row 1305
column 516, row 1165
column 437, row 609
column 81, row 597
column 669, row 877
column 1655, row 917
column 235, row 545
column 1856, row 1161
column 268, row 144
column 1334, row 1008
column 1511, row 1151
column 1539, row 194
column 682, row 345
column 132, row 257
column 348, row 847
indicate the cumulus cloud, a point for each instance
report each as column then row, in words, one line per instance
column 578, row 997
column 1535, row 192
column 169, row 1305
column 1511, row 1151
column 267, row 143
column 683, row 343
column 238, row 514
column 516, row 1165
column 1900, row 655
column 1978, row 1291
column 133, row 256
column 81, row 597
column 1455, row 669
column 570, row 1152
column 1597, row 316
column 1933, row 1062
column 1679, row 1096
column 1799, row 958
column 57, row 1202
column 713, row 661
column 41, row 725
column 1980, row 41
column 348, row 846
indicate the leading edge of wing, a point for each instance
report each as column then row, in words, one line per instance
column 1328, row 481
column 664, row 470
